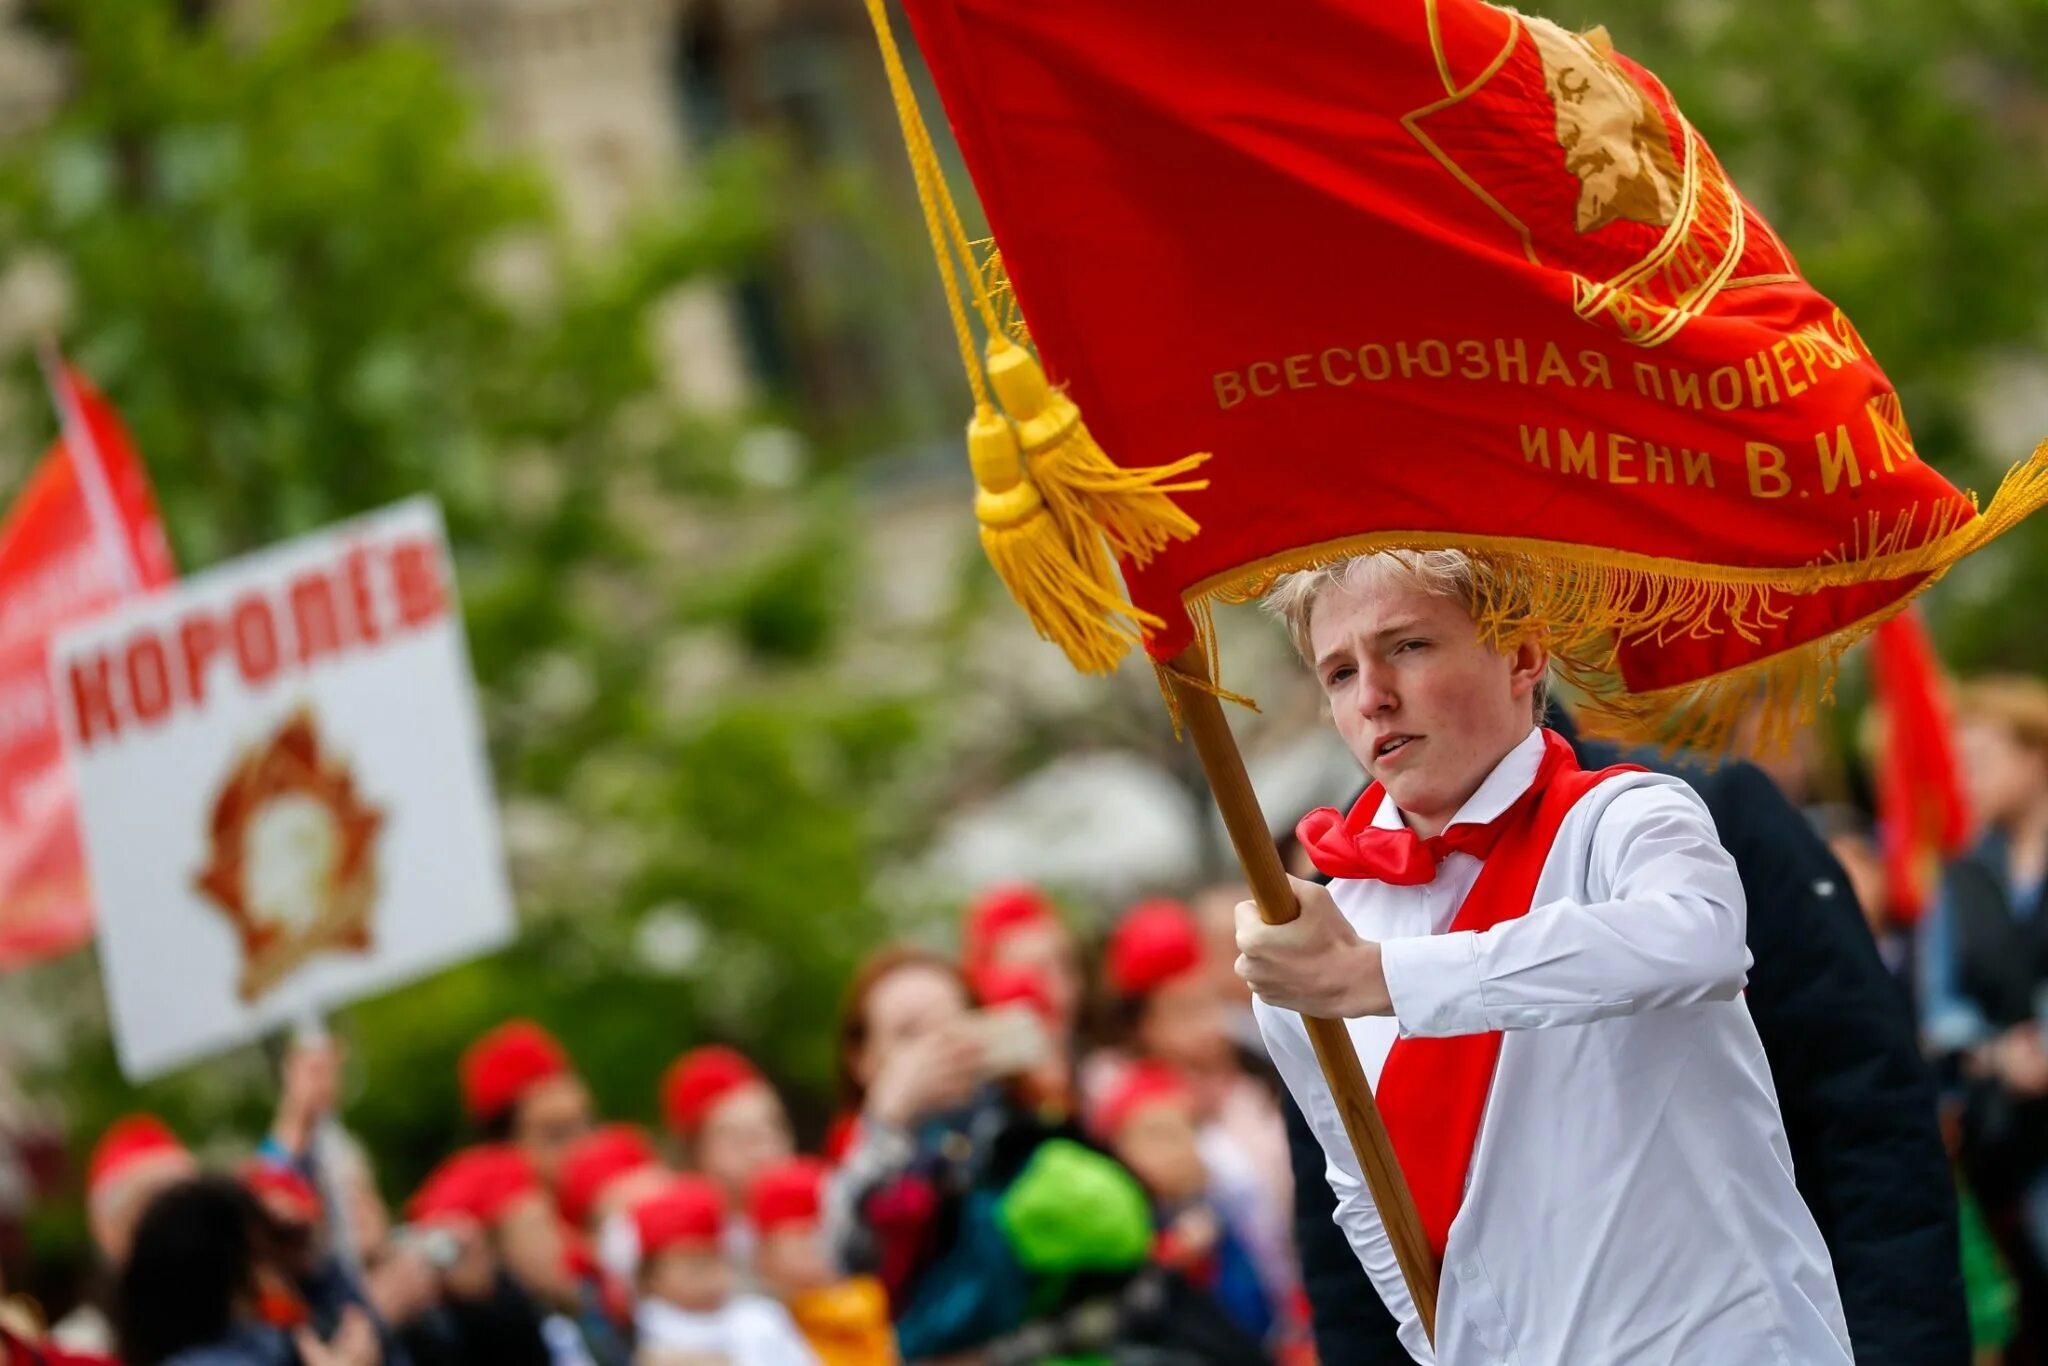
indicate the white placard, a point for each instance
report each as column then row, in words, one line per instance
column 283, row 787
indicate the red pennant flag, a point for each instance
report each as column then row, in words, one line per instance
column 1418, row 273
column 1923, row 817
column 83, row 534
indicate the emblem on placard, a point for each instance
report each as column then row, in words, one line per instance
column 292, row 855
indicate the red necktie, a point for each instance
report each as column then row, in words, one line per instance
column 1351, row 846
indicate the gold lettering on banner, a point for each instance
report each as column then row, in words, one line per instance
column 1516, row 361
column 1775, row 375
column 1734, row 397
column 1781, row 352
column 1620, row 455
column 1760, row 379
column 1837, row 458
column 1685, row 390
column 1894, row 438
column 1767, row 477
column 1577, row 458
column 1622, row 459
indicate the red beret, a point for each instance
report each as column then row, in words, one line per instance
column 699, row 1080
column 500, row 1066
column 997, row 914
column 1005, row 986
column 1138, row 1085
column 1155, row 942
column 789, row 1192
column 840, row 1136
column 481, row 1183
column 127, row 1141
column 597, row 1159
column 283, row 1190
column 688, row 1211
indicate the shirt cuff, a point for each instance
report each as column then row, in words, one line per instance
column 1434, row 983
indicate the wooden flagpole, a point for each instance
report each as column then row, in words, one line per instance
column 1202, row 715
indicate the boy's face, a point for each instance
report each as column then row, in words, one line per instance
column 2002, row 776
column 1160, row 1146
column 696, row 1279
column 1184, row 1023
column 791, row 1260
column 551, row 1116
column 1423, row 704
column 1047, row 951
column 744, row 1132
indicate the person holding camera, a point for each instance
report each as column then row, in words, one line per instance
column 994, row 1226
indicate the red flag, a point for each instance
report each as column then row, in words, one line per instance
column 1422, row 273
column 1923, row 817
column 83, row 533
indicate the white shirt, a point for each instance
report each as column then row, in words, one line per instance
column 1630, row 1198
column 750, row 1331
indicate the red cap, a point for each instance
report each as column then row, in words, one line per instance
column 481, row 1183
column 840, row 1136
column 597, row 1159
column 789, row 1192
column 499, row 1067
column 1138, row 1085
column 126, row 1142
column 282, row 1190
column 1155, row 942
column 697, row 1081
column 688, row 1211
column 997, row 914
column 1006, row 986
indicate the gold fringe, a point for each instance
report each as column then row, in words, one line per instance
column 1587, row 601
column 1202, row 615
column 1062, row 585
column 1050, row 525
column 1087, row 491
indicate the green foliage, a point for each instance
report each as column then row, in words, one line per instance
column 309, row 293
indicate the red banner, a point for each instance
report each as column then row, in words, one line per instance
column 1922, row 815
column 1434, row 273
column 83, row 533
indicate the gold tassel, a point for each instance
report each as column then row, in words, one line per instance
column 1087, row 491
column 1066, row 588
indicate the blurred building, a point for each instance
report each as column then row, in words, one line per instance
column 31, row 75
column 625, row 100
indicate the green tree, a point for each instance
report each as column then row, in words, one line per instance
column 309, row 293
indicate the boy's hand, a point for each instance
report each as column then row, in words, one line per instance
column 1315, row 964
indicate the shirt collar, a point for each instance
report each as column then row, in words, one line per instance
column 1510, row 779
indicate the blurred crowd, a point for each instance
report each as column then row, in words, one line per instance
column 1049, row 1147
column 1027, row 1166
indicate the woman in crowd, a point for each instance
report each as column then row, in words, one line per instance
column 993, row 1229
column 197, row 1281
column 1166, row 1006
